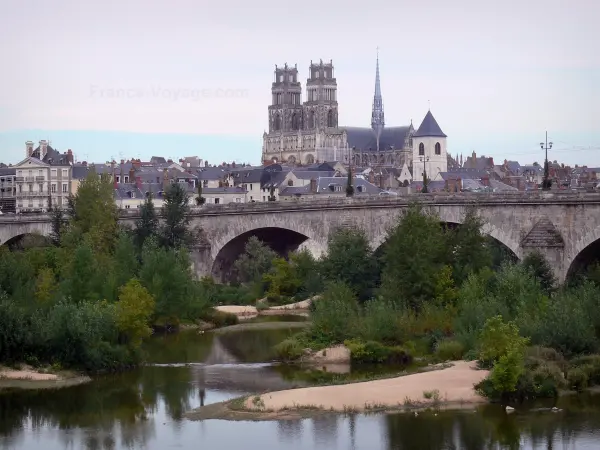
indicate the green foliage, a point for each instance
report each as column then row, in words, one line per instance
column 58, row 222
column 415, row 252
column 371, row 352
column 335, row 314
column 281, row 279
column 219, row 318
column 468, row 246
column 46, row 286
column 349, row 187
column 350, row 260
column 497, row 340
column 449, row 350
column 507, row 370
column 289, row 350
column 174, row 233
column 539, row 267
column 199, row 199
column 95, row 213
column 577, row 378
column 256, row 261
column 445, row 290
column 133, row 311
column 147, row 225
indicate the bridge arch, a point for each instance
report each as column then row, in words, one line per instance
column 585, row 251
column 281, row 237
column 11, row 232
column 454, row 215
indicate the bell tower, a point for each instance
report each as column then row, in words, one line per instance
column 285, row 111
column 321, row 106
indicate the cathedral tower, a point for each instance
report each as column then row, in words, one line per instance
column 321, row 106
column 285, row 111
column 377, row 117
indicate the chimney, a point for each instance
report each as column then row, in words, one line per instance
column 485, row 180
column 70, row 156
column 313, row 186
column 233, row 164
column 138, row 183
column 371, row 177
column 28, row 148
column 205, row 163
column 43, row 148
column 131, row 174
column 84, row 163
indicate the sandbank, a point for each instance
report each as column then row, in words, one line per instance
column 29, row 378
column 447, row 388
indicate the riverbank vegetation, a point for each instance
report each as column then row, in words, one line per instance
column 89, row 299
column 445, row 293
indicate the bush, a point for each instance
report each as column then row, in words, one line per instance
column 498, row 339
column 335, row 315
column 220, row 318
column 289, row 350
column 371, row 352
column 449, row 350
column 577, row 378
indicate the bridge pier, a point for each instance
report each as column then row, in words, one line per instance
column 545, row 238
column 201, row 260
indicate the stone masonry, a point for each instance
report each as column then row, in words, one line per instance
column 559, row 225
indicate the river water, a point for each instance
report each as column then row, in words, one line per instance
column 144, row 409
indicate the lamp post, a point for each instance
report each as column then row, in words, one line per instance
column 424, row 160
column 546, row 183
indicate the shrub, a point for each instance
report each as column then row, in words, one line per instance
column 289, row 350
column 335, row 314
column 577, row 378
column 497, row 339
column 219, row 318
column 591, row 364
column 506, row 372
column 371, row 352
column 449, row 350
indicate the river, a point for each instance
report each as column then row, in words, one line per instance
column 144, row 409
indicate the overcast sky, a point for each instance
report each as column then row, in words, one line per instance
column 496, row 74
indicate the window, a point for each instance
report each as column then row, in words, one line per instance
column 64, row 188
column 65, row 173
column 250, row 189
column 126, row 206
column 264, row 198
column 53, row 173
column 127, row 179
column 31, row 188
column 238, row 200
column 421, row 149
column 438, row 148
column 41, row 186
column 40, row 172
column 20, row 188
column 53, row 188
column 217, row 200
column 338, row 189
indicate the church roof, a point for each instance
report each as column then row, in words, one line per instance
column 429, row 127
column 364, row 138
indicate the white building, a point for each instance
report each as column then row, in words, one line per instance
column 429, row 150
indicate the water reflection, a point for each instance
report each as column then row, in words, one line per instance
column 144, row 409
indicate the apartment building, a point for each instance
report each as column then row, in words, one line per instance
column 43, row 178
column 7, row 189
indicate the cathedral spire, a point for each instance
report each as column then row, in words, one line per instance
column 377, row 117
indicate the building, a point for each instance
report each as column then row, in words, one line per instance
column 307, row 132
column 429, row 150
column 43, row 178
column 7, row 189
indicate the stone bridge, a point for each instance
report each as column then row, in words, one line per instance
column 565, row 227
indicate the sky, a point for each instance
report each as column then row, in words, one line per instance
column 133, row 78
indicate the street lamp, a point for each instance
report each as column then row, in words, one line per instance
column 424, row 160
column 546, row 146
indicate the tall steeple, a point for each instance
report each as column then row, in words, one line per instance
column 377, row 117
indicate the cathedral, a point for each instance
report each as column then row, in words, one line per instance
column 306, row 132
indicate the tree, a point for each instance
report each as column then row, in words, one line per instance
column 175, row 211
column 351, row 261
column 498, row 339
column 95, row 213
column 539, row 267
column 147, row 225
column 468, row 248
column 134, row 310
column 425, row 190
column 349, row 187
column 45, row 286
column 272, row 193
column 58, row 222
column 256, row 260
column 199, row 199
column 415, row 252
column 547, row 182
column 282, row 279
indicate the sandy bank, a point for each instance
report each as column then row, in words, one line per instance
column 454, row 386
column 249, row 312
column 29, row 378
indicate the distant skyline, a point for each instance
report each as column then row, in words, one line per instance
column 179, row 79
